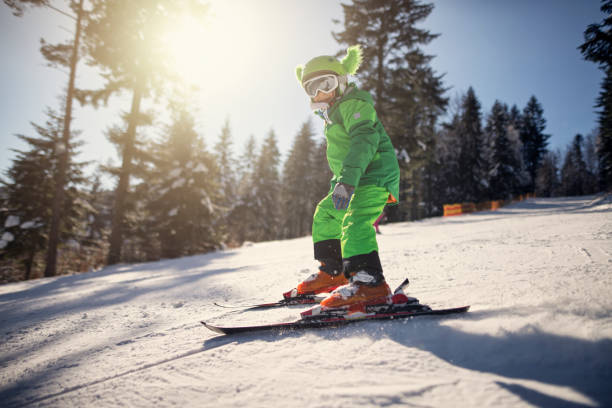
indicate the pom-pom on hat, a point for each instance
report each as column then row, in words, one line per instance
column 326, row 64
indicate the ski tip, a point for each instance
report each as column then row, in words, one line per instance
column 461, row 309
column 213, row 328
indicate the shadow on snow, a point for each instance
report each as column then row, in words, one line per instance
column 529, row 354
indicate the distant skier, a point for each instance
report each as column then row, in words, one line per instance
column 365, row 178
column 380, row 219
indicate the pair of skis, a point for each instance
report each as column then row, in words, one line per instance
column 402, row 307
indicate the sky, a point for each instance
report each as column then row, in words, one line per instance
column 245, row 56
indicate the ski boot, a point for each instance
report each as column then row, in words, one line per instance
column 355, row 298
column 319, row 282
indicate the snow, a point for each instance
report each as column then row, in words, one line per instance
column 539, row 333
column 31, row 224
column 174, row 173
column 178, row 183
column 201, row 168
column 11, row 221
column 404, row 156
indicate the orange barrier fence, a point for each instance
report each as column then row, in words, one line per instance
column 466, row 208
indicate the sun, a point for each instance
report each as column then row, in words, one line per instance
column 212, row 53
column 184, row 46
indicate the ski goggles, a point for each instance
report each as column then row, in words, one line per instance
column 323, row 83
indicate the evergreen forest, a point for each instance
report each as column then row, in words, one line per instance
column 180, row 193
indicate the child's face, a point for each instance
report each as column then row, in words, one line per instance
column 324, row 96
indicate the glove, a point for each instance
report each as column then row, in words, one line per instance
column 342, row 195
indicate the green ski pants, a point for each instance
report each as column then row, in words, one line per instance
column 353, row 226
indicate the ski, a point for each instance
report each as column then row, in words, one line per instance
column 293, row 301
column 331, row 320
column 299, row 300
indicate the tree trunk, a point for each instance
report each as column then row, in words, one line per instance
column 64, row 156
column 117, row 223
column 28, row 264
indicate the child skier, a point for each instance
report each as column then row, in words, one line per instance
column 365, row 178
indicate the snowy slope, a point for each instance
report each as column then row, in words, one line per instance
column 538, row 275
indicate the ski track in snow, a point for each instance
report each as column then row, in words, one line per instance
column 538, row 275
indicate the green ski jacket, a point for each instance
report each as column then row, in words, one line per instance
column 359, row 151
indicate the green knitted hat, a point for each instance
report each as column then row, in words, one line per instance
column 326, row 64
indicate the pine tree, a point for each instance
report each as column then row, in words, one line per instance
column 514, row 136
column 132, row 218
column 55, row 54
column 243, row 208
column 65, row 55
column 30, row 193
column 597, row 48
column 266, row 191
column 534, row 140
column 298, row 185
column 19, row 6
column 184, row 190
column 471, row 166
column 448, row 183
column 227, row 179
column 247, row 163
column 407, row 93
column 573, row 172
column 124, row 40
column 604, row 146
column 28, row 213
column 502, row 166
column 591, row 159
column 96, row 219
column 547, row 179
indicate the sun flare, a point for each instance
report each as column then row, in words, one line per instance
column 185, row 46
column 215, row 52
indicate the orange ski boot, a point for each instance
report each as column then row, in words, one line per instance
column 320, row 282
column 360, row 292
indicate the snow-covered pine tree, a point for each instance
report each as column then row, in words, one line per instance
column 132, row 220
column 534, row 140
column 597, row 48
column 243, row 207
column 266, row 192
column 124, row 40
column 448, row 148
column 227, row 180
column 64, row 55
column 471, row 171
column 503, row 169
column 183, row 191
column 26, row 205
column 30, row 191
column 514, row 136
column 407, row 92
column 298, row 185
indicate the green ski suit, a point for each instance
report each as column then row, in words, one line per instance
column 360, row 154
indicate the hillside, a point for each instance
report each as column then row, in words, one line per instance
column 538, row 275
